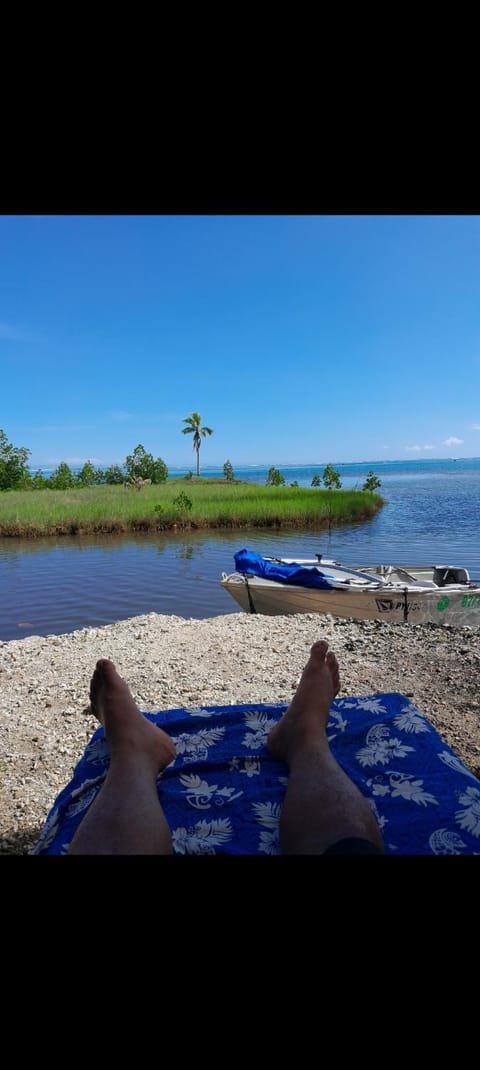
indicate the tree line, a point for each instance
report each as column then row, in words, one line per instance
column 15, row 474
column 138, row 467
column 330, row 479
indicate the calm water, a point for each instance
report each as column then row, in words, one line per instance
column 54, row 586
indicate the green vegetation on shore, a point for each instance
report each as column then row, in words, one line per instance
column 179, row 504
column 141, row 497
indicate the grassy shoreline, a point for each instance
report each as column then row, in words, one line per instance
column 176, row 505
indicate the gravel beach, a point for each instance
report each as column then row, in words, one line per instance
column 169, row 661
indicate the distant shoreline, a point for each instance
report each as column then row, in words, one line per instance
column 214, row 469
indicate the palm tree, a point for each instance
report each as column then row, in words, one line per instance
column 194, row 427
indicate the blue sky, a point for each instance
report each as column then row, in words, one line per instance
column 299, row 339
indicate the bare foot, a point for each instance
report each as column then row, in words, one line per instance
column 307, row 715
column 126, row 729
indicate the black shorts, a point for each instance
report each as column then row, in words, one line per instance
column 353, row 845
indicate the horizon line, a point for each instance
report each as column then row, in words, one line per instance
column 265, row 464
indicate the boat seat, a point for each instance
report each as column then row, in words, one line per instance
column 396, row 574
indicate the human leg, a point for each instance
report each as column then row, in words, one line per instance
column 126, row 817
column 322, row 806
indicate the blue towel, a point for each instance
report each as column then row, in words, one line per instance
column 223, row 793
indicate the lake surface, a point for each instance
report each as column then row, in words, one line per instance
column 53, row 586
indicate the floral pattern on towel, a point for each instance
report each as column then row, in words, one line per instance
column 223, row 793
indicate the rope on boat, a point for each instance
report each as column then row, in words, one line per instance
column 250, row 599
column 405, row 605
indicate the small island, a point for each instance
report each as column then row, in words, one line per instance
column 141, row 497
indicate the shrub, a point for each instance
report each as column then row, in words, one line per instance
column 114, row 475
column 275, row 478
column 331, row 478
column 86, row 475
column 141, row 465
column 62, row 478
column 372, row 482
column 182, row 502
column 14, row 473
column 39, row 481
column 160, row 471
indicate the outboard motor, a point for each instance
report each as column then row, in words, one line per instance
column 443, row 575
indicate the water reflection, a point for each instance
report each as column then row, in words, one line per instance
column 186, row 551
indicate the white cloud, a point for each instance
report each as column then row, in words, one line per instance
column 120, row 417
column 54, row 461
column 418, row 449
column 452, row 441
column 475, row 427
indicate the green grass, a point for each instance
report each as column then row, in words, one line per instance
column 214, row 504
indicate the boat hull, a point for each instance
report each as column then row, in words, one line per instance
column 455, row 607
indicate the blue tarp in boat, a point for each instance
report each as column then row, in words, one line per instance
column 253, row 564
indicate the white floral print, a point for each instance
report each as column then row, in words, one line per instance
column 201, row 795
column 202, row 838
column 259, row 725
column 469, row 817
column 422, row 796
column 380, row 749
column 194, row 746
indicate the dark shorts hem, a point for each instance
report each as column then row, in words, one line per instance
column 353, row 845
